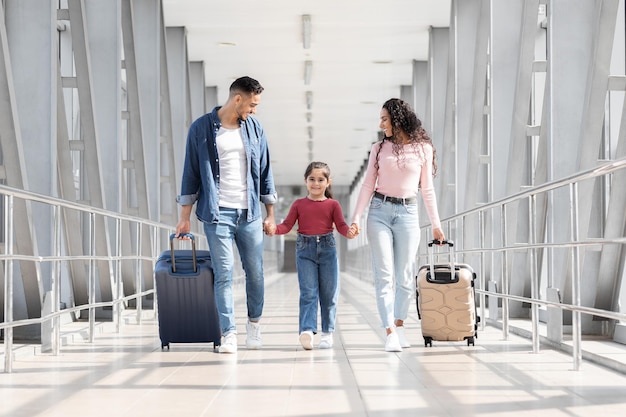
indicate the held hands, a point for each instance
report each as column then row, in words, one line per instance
column 269, row 227
column 353, row 231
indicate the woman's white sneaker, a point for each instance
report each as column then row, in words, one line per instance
column 404, row 342
column 393, row 344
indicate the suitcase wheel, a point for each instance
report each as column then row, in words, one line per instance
column 165, row 345
column 470, row 341
column 428, row 341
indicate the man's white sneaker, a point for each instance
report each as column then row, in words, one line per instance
column 229, row 343
column 393, row 344
column 306, row 339
column 404, row 342
column 326, row 341
column 253, row 339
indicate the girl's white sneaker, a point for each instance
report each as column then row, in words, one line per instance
column 326, row 341
column 306, row 339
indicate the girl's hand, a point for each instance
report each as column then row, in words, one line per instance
column 354, row 230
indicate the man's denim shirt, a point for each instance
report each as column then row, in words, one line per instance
column 201, row 173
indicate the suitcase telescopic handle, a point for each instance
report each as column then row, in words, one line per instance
column 193, row 249
column 431, row 256
column 440, row 242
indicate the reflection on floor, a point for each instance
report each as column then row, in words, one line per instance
column 127, row 374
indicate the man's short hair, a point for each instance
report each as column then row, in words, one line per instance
column 246, row 85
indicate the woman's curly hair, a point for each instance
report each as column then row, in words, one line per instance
column 404, row 119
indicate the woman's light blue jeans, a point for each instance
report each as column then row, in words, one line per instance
column 248, row 236
column 394, row 235
column 318, row 276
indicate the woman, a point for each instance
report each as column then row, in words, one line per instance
column 399, row 166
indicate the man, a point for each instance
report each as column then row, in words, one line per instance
column 227, row 172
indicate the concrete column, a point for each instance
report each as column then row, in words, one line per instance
column 210, row 98
column 420, row 87
column 196, row 89
column 104, row 33
column 438, row 66
column 179, row 93
column 146, row 21
column 28, row 105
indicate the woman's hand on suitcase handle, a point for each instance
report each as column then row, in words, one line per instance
column 438, row 236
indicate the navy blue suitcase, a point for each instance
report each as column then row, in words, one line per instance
column 185, row 296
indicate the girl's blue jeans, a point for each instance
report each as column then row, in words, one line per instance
column 318, row 276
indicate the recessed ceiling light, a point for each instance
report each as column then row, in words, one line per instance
column 382, row 62
column 308, row 69
column 306, row 31
column 226, row 44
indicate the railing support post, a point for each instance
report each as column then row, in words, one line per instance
column 139, row 275
column 92, row 276
column 534, row 284
column 56, row 281
column 505, row 274
column 576, row 300
column 483, row 279
column 119, row 308
column 8, row 283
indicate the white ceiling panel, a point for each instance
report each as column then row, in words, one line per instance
column 361, row 53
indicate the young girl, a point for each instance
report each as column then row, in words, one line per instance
column 316, row 254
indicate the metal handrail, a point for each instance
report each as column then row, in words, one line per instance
column 8, row 257
column 575, row 245
column 602, row 169
column 55, row 201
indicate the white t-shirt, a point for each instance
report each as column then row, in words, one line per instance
column 233, row 169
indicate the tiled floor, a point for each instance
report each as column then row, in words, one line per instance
column 128, row 374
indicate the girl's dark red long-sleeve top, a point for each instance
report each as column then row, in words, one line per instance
column 314, row 217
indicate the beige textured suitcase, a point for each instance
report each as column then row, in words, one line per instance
column 445, row 300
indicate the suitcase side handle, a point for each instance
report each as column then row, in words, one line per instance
column 191, row 237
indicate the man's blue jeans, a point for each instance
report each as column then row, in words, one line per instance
column 248, row 236
column 318, row 276
column 393, row 233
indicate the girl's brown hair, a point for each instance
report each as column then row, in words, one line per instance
column 325, row 169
